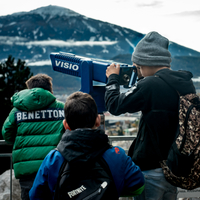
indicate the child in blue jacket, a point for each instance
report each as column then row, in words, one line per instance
column 81, row 143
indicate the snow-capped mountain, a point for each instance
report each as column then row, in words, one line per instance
column 32, row 36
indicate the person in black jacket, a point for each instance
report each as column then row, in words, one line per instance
column 157, row 97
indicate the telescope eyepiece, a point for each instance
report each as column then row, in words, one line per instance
column 126, row 78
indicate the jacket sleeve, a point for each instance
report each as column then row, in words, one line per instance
column 118, row 103
column 9, row 128
column 46, row 178
column 134, row 179
column 128, row 178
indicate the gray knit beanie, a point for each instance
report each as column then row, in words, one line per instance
column 152, row 50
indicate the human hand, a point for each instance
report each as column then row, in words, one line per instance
column 112, row 69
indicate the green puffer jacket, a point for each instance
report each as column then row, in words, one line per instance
column 35, row 127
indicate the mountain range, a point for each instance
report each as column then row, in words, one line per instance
column 32, row 36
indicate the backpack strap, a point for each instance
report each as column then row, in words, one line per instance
column 105, row 166
column 56, row 195
column 185, row 125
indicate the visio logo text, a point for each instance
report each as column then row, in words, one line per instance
column 66, row 65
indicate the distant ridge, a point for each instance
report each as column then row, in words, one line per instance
column 54, row 11
column 32, row 36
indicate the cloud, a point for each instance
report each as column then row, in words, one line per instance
column 39, row 63
column 195, row 13
column 23, row 42
column 150, row 4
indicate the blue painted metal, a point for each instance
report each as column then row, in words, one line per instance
column 91, row 70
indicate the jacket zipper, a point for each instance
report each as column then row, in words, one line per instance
column 97, row 192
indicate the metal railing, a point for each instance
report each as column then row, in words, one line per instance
column 2, row 142
column 121, row 138
column 181, row 193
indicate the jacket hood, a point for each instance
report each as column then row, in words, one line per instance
column 32, row 99
column 83, row 145
column 180, row 80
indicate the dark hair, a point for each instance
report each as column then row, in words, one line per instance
column 80, row 111
column 40, row 81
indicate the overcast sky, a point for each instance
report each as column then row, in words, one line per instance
column 178, row 20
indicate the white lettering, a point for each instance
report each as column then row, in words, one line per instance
column 83, row 188
column 24, row 115
column 30, row 115
column 75, row 67
column 43, row 113
column 66, row 65
column 70, row 66
column 70, row 194
column 37, row 115
column 57, row 62
column 40, row 114
column 55, row 113
column 76, row 191
column 49, row 111
column 19, row 116
column 61, row 113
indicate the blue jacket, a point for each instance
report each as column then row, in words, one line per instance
column 127, row 176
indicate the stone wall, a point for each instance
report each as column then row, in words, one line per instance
column 5, row 186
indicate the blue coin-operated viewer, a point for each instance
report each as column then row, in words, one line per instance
column 91, row 70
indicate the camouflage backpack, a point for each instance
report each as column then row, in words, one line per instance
column 182, row 167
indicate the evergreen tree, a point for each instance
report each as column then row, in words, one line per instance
column 12, row 79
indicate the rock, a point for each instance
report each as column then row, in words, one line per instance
column 5, row 186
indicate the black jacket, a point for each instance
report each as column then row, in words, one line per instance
column 83, row 145
column 159, row 105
